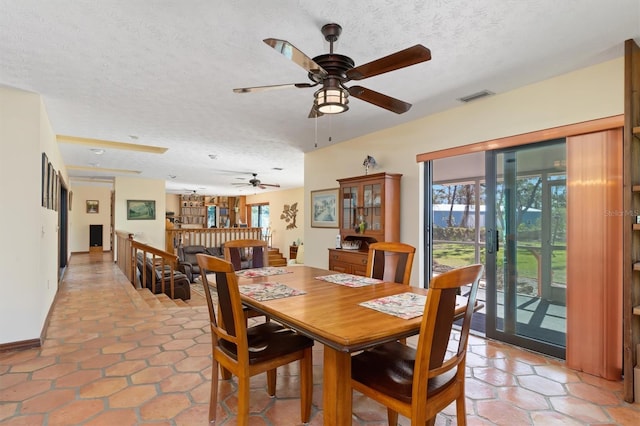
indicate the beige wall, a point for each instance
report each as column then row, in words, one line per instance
column 150, row 232
column 583, row 95
column 281, row 236
column 172, row 202
column 79, row 219
column 29, row 253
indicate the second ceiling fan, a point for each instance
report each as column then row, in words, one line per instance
column 256, row 183
column 333, row 70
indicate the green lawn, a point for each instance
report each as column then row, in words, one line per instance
column 457, row 255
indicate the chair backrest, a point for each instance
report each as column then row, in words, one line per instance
column 437, row 321
column 228, row 328
column 390, row 261
column 247, row 253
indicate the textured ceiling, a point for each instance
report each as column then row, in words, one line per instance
column 161, row 73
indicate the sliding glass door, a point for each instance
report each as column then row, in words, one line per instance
column 526, row 246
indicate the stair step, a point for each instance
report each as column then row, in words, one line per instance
column 276, row 258
column 180, row 303
column 136, row 299
column 149, row 298
column 166, row 301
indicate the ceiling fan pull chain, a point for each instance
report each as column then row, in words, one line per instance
column 315, row 145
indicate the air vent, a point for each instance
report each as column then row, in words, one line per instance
column 476, row 96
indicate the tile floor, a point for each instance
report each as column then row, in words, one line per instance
column 109, row 359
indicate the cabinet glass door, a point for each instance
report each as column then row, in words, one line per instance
column 349, row 203
column 372, row 212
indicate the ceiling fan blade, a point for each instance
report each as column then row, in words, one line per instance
column 273, row 87
column 294, row 54
column 376, row 98
column 404, row 58
column 264, row 185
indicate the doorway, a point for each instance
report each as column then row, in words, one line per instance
column 526, row 246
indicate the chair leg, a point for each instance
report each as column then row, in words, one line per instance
column 392, row 417
column 306, row 385
column 213, row 400
column 432, row 421
column 461, row 410
column 243, row 401
column 271, row 382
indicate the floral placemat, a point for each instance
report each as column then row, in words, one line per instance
column 349, row 280
column 268, row 291
column 261, row 272
column 404, row 305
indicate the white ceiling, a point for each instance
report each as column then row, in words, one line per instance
column 161, row 73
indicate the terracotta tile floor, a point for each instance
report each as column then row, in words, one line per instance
column 110, row 359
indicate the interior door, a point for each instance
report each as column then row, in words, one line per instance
column 526, row 246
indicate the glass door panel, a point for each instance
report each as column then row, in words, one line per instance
column 526, row 247
column 371, row 212
column 349, row 204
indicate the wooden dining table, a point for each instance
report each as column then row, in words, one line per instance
column 331, row 314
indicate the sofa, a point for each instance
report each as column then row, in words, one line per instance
column 181, row 284
column 188, row 262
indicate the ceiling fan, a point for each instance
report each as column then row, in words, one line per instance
column 333, row 70
column 256, row 183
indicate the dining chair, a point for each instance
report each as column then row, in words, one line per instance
column 246, row 253
column 419, row 383
column 246, row 351
column 390, row 261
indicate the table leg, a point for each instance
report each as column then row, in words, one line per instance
column 336, row 388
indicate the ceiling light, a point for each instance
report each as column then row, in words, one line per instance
column 331, row 99
column 213, row 156
column 97, row 151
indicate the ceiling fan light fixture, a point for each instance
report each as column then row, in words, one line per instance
column 332, row 100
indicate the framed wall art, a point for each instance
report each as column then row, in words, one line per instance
column 93, row 206
column 324, row 208
column 45, row 181
column 50, row 185
column 141, row 209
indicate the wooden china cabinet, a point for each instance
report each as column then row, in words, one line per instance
column 368, row 211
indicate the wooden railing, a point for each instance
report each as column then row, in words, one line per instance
column 208, row 237
column 129, row 249
column 162, row 263
column 123, row 254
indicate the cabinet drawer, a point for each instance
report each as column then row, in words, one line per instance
column 348, row 262
column 354, row 257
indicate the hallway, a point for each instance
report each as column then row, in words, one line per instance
column 108, row 359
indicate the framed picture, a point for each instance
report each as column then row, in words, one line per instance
column 324, row 208
column 45, row 181
column 50, row 181
column 141, row 209
column 56, row 190
column 93, row 206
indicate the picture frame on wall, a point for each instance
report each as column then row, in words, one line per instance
column 324, row 208
column 56, row 190
column 50, row 182
column 93, row 206
column 141, row 209
column 45, row 182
